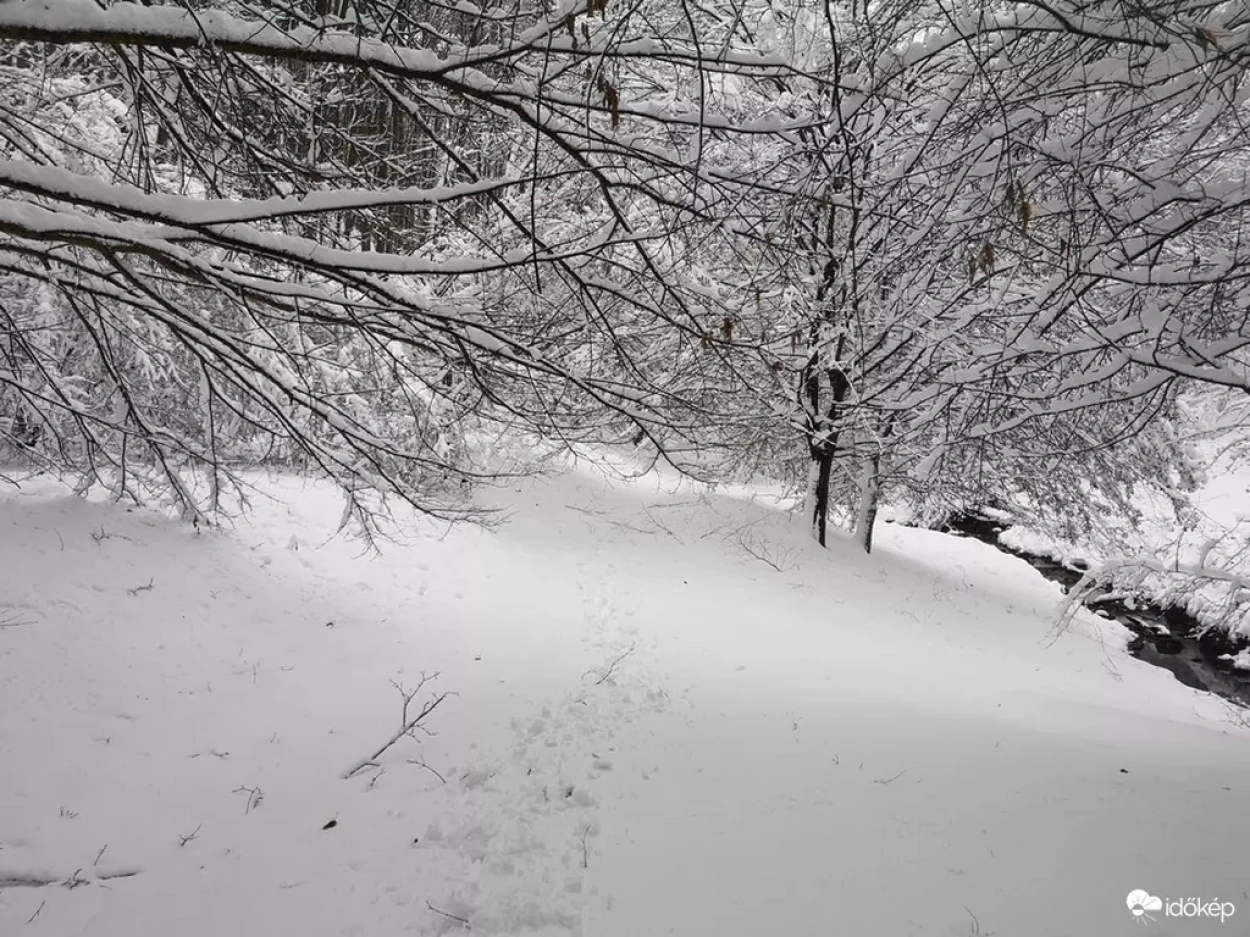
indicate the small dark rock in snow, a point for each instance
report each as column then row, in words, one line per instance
column 331, row 825
column 1124, row 771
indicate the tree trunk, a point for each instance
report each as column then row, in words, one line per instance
column 823, row 442
column 822, row 462
column 870, row 490
column 869, row 497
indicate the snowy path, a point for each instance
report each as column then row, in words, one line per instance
column 653, row 733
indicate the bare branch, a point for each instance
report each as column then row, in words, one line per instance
column 607, row 673
column 459, row 920
column 409, row 725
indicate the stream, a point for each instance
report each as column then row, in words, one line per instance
column 1165, row 637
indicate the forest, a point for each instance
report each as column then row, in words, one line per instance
column 901, row 263
column 945, row 254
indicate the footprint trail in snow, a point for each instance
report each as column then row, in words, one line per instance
column 516, row 832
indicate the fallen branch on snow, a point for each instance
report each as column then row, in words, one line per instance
column 890, row 780
column 408, row 726
column 254, row 797
column 420, row 763
column 585, row 849
column 148, row 588
column 612, row 666
column 757, row 548
column 452, row 917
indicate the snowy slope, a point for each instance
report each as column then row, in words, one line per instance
column 653, row 730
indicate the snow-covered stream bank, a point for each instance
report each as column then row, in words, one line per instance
column 655, row 731
column 1166, row 638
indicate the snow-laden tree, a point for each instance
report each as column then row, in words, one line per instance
column 953, row 249
column 1009, row 235
column 371, row 237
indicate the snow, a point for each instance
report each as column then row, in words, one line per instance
column 672, row 714
column 208, row 220
column 176, row 27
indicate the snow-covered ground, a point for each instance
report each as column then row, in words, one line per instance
column 671, row 714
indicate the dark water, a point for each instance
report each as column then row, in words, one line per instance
column 1166, row 637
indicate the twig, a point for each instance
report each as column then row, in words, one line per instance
column 99, row 536
column 189, row 837
column 254, row 796
column 457, row 919
column 586, row 511
column 407, row 725
column 603, row 515
column 99, row 854
column 37, row 910
column 890, row 780
column 137, row 589
column 124, row 873
column 662, row 526
column 757, row 548
column 585, row 851
column 612, row 666
column 976, row 925
column 420, row 763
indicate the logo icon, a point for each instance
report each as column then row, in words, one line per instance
column 1141, row 903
